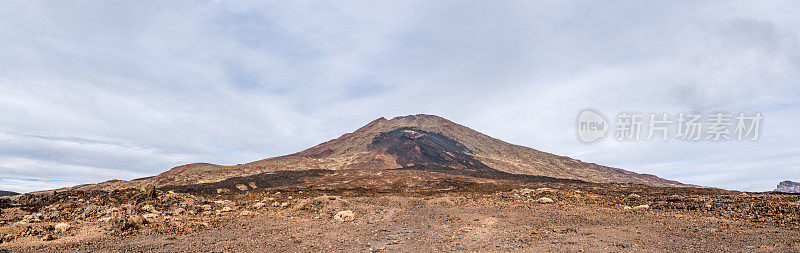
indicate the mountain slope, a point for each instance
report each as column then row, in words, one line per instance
column 7, row 193
column 367, row 146
column 405, row 142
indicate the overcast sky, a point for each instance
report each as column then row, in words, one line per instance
column 99, row 90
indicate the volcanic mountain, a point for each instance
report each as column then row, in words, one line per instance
column 415, row 141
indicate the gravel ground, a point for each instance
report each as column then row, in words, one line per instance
column 412, row 210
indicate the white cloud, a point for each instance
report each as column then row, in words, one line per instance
column 106, row 90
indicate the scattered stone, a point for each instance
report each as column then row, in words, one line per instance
column 138, row 220
column 634, row 195
column 641, row 207
column 276, row 204
column 150, row 215
column 31, row 218
column 206, row 207
column 525, row 191
column 253, row 185
column 122, row 224
column 226, row 209
column 62, row 227
column 326, row 204
column 259, row 205
column 223, row 191
column 150, row 208
column 224, row 202
column 626, row 208
column 242, row 187
column 48, row 237
column 246, row 213
column 344, row 216
column 285, row 204
column 544, row 200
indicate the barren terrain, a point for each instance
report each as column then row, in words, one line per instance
column 413, row 209
column 413, row 183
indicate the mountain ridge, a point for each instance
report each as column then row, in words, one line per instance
column 7, row 193
column 400, row 142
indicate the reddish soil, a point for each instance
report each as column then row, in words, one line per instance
column 413, row 209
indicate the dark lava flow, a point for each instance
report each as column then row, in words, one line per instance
column 413, row 147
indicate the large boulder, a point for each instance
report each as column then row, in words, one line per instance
column 344, row 216
column 62, row 227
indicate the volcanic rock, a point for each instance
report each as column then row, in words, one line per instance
column 344, row 216
column 48, row 237
column 138, row 220
column 62, row 227
column 122, row 224
column 259, row 205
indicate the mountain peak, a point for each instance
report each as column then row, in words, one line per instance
column 417, row 120
column 429, row 139
column 416, row 117
column 409, row 141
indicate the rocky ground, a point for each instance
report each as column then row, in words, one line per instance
column 401, row 210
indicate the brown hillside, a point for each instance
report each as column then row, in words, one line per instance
column 405, row 142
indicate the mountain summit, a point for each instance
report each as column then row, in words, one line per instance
column 433, row 140
column 404, row 142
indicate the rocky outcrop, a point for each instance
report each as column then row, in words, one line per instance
column 788, row 187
